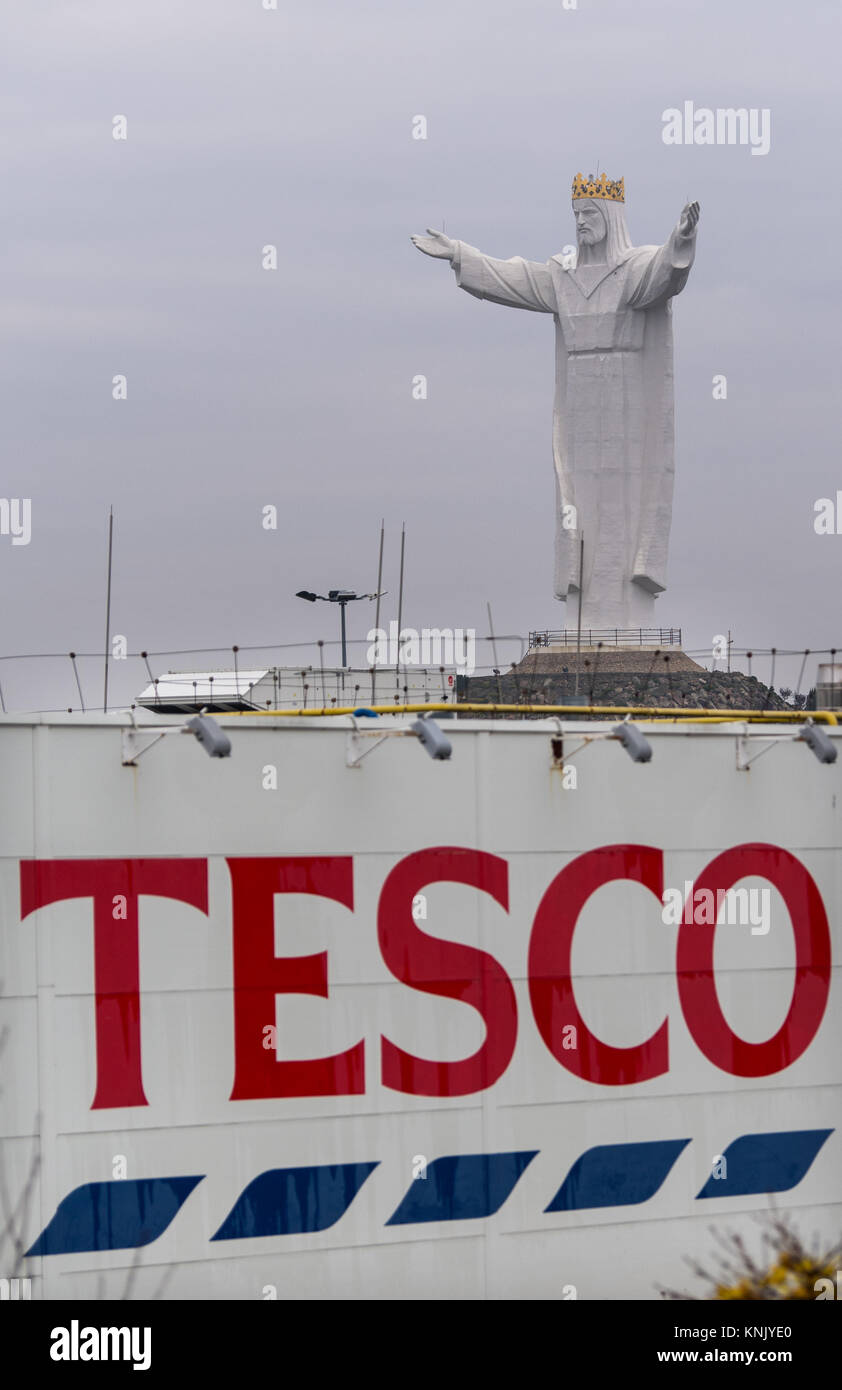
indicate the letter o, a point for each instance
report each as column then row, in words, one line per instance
column 694, row 964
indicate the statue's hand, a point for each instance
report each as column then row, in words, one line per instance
column 688, row 219
column 436, row 244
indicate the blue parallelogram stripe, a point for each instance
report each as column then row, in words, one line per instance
column 292, row 1201
column 116, row 1215
column 617, row 1175
column 461, row 1187
column 757, row 1163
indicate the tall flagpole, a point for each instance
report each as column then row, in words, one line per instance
column 579, row 620
column 108, row 608
column 377, row 611
column 400, row 600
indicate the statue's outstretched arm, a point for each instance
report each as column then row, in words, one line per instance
column 667, row 272
column 517, row 283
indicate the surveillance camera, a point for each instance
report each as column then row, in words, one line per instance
column 637, row 747
column 432, row 739
column 208, row 733
column 818, row 742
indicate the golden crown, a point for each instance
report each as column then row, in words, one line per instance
column 603, row 187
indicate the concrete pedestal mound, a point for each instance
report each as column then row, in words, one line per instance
column 664, row 678
column 556, row 660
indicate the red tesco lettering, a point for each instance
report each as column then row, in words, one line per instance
column 430, row 965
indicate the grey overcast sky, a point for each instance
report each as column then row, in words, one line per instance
column 248, row 387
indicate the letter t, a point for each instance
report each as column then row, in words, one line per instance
column 116, row 953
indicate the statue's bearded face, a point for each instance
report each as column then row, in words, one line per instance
column 590, row 223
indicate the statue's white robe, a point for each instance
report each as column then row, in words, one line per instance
column 613, row 437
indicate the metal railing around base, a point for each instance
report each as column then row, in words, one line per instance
column 608, row 637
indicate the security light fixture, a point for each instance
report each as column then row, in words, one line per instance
column 208, row 734
column 140, row 738
column 638, row 748
column 431, row 738
column 818, row 742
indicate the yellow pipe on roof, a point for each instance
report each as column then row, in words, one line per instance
column 688, row 716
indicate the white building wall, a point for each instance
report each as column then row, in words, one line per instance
column 65, row 795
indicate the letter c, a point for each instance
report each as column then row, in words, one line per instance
column 550, row 983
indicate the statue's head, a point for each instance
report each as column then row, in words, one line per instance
column 598, row 208
column 590, row 223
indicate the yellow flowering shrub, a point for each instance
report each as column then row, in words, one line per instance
column 787, row 1269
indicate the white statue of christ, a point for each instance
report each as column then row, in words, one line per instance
column 613, row 439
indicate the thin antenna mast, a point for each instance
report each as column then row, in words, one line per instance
column 400, row 599
column 579, row 618
column 108, row 608
column 377, row 610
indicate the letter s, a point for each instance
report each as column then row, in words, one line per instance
column 446, row 969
